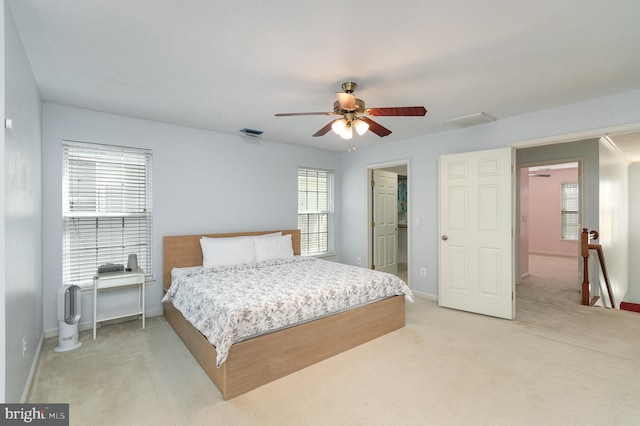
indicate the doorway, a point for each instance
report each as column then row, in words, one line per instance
column 402, row 207
column 550, row 215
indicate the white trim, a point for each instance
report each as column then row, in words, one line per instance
column 32, row 371
column 576, row 136
column 606, row 142
column 426, row 296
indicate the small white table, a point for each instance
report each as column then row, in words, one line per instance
column 113, row 280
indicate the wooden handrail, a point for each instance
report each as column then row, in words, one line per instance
column 585, row 246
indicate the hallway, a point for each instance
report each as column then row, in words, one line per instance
column 551, row 279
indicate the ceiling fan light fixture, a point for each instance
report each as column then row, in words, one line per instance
column 339, row 126
column 361, row 127
column 346, row 101
column 347, row 133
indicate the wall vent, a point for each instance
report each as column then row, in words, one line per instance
column 251, row 132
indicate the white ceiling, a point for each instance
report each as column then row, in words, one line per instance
column 224, row 66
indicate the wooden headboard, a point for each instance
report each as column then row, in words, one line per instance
column 184, row 250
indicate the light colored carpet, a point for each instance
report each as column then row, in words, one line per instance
column 558, row 363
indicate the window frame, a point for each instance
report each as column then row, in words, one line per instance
column 107, row 209
column 316, row 215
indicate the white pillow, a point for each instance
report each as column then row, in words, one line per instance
column 273, row 248
column 226, row 251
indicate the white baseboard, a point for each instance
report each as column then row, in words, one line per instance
column 548, row 253
column 32, row 371
column 425, row 295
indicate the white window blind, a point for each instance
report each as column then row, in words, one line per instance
column 106, row 208
column 315, row 211
column 570, row 211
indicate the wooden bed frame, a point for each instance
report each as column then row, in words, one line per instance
column 260, row 360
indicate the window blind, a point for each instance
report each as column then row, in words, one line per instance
column 570, row 211
column 315, row 211
column 107, row 209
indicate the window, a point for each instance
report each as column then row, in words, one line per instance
column 106, row 208
column 315, row 211
column 570, row 211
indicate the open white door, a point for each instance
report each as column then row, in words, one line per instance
column 385, row 221
column 476, row 232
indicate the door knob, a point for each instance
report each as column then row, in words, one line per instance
column 445, row 238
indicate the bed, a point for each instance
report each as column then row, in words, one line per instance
column 255, row 361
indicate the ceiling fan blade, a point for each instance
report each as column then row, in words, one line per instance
column 376, row 128
column 292, row 114
column 347, row 100
column 398, row 111
column 324, row 130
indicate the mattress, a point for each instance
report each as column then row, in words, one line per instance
column 233, row 303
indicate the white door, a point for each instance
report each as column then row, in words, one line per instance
column 385, row 221
column 476, row 237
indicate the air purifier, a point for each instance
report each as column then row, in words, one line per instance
column 68, row 317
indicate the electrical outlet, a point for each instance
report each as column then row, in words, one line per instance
column 359, row 261
column 423, row 272
column 24, row 346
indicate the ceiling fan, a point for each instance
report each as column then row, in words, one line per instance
column 356, row 116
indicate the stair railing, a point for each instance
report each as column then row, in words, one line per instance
column 585, row 246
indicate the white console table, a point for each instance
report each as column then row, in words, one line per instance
column 115, row 280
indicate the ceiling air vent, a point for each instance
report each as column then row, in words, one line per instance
column 251, row 132
column 472, row 119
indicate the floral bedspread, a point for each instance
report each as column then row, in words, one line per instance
column 230, row 304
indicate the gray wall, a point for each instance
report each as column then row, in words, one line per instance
column 614, row 220
column 202, row 182
column 604, row 113
column 22, row 215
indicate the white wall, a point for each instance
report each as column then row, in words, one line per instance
column 614, row 220
column 3, row 326
column 203, row 182
column 604, row 113
column 22, row 215
column 634, row 234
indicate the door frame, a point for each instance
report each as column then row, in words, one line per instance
column 517, row 225
column 369, row 173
